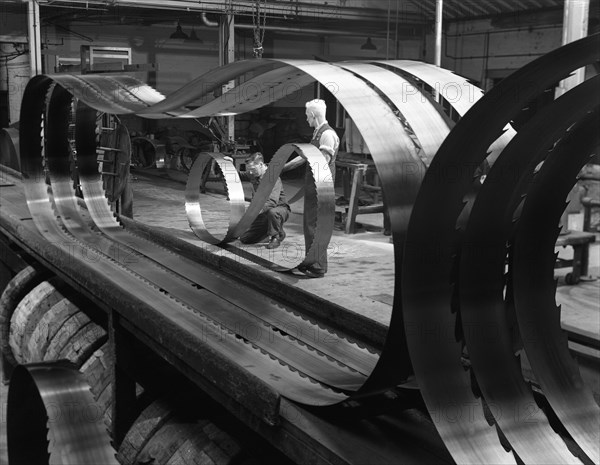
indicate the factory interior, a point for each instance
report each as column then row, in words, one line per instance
column 350, row 232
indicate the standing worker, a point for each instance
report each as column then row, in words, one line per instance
column 328, row 142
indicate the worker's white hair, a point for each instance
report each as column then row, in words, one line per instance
column 317, row 106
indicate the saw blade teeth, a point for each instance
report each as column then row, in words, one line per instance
column 506, row 444
column 330, row 333
column 475, row 389
column 518, row 209
column 458, row 330
column 490, row 417
column 242, row 340
column 558, row 311
column 487, row 413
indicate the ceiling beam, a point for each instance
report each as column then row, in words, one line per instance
column 505, row 5
column 313, row 9
column 480, row 9
column 451, row 10
column 426, row 8
column 466, row 9
column 537, row 4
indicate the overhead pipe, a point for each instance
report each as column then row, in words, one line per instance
column 297, row 30
column 216, row 6
column 312, row 31
column 208, row 22
column 226, row 56
column 189, row 6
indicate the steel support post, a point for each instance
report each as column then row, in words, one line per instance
column 35, row 45
column 226, row 56
column 439, row 6
column 575, row 27
column 123, row 385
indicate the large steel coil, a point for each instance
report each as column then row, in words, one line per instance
column 52, row 418
column 453, row 236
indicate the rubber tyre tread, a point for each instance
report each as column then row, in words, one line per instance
column 28, row 314
column 165, row 442
column 188, row 454
column 83, row 344
column 185, row 442
column 146, row 425
column 191, row 451
column 48, row 326
column 222, row 440
column 18, row 287
column 96, row 370
column 64, row 335
column 217, row 454
column 98, row 374
column 106, row 399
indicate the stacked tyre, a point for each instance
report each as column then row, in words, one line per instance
column 39, row 321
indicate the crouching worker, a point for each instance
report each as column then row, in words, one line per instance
column 276, row 211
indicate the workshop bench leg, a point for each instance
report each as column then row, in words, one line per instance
column 580, row 264
column 123, row 386
column 353, row 204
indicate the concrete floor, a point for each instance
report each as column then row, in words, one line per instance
column 361, row 266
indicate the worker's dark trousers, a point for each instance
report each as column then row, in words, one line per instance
column 267, row 224
column 310, row 218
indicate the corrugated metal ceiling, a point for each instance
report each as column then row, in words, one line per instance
column 459, row 9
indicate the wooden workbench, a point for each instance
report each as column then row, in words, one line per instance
column 580, row 241
column 353, row 170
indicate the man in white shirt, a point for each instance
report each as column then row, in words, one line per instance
column 328, row 142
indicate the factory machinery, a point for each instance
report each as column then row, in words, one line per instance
column 193, row 358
